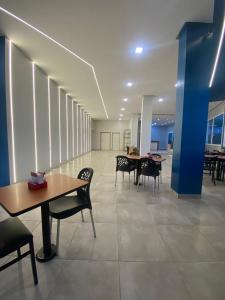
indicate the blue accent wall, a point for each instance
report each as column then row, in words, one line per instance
column 160, row 133
column 195, row 51
column 4, row 157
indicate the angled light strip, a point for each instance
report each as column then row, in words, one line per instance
column 34, row 116
column 217, row 54
column 73, row 126
column 60, row 141
column 49, row 124
column 62, row 46
column 67, row 130
column 11, row 113
column 77, row 132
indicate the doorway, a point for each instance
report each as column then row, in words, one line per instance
column 115, row 141
column 105, row 141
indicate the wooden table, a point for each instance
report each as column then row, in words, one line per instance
column 137, row 158
column 17, row 199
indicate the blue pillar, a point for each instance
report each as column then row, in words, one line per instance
column 4, row 157
column 194, row 66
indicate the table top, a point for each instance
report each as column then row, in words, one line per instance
column 17, row 198
column 221, row 157
column 136, row 157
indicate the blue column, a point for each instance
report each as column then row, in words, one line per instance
column 4, row 157
column 194, row 66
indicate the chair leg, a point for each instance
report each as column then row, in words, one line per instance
column 161, row 176
column 18, row 253
column 57, row 236
column 158, row 183
column 50, row 225
column 154, row 186
column 92, row 222
column 116, row 179
column 82, row 216
column 129, row 180
column 33, row 264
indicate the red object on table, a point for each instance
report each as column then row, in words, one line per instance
column 37, row 186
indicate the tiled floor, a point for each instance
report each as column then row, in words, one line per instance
column 147, row 247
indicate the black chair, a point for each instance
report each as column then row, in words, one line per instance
column 15, row 235
column 149, row 168
column 125, row 165
column 210, row 166
column 159, row 164
column 68, row 206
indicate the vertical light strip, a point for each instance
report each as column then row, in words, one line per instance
column 90, row 135
column 77, row 130
column 217, row 54
column 73, row 127
column 11, row 113
column 60, row 141
column 67, row 130
column 81, row 131
column 86, row 132
column 49, row 124
column 34, row 117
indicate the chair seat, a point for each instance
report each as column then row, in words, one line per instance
column 66, row 206
column 13, row 235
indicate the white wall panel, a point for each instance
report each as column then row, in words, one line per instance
column 42, row 125
column 63, row 124
column 75, row 128
column 54, row 123
column 23, row 114
column 70, row 131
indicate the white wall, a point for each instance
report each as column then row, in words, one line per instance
column 107, row 126
column 42, row 118
column 215, row 111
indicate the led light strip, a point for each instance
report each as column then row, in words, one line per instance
column 11, row 113
column 34, row 116
column 63, row 47
column 73, row 126
column 67, row 129
column 217, row 54
column 77, row 131
column 49, row 124
column 81, row 131
column 60, row 141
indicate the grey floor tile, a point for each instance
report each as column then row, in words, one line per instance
column 131, row 213
column 204, row 280
column 151, row 281
column 141, row 243
column 87, row 280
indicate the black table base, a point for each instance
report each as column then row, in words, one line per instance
column 49, row 250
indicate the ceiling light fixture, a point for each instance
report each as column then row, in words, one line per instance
column 121, row 115
column 138, row 50
column 120, row 119
column 125, row 99
column 63, row 47
column 129, row 84
column 160, row 100
column 217, row 54
column 123, row 109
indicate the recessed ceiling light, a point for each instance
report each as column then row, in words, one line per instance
column 121, row 115
column 158, row 119
column 120, row 119
column 122, row 108
column 138, row 50
column 130, row 84
column 125, row 99
column 160, row 99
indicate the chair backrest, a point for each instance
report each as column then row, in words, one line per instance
column 157, row 155
column 148, row 167
column 122, row 163
column 84, row 192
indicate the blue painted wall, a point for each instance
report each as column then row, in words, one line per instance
column 160, row 133
column 4, row 158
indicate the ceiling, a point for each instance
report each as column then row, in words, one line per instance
column 105, row 33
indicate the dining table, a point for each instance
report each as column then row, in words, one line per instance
column 220, row 159
column 18, row 199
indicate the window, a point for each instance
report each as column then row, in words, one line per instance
column 215, row 130
column 209, row 131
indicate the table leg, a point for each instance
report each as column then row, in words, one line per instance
column 218, row 171
column 137, row 173
column 49, row 250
